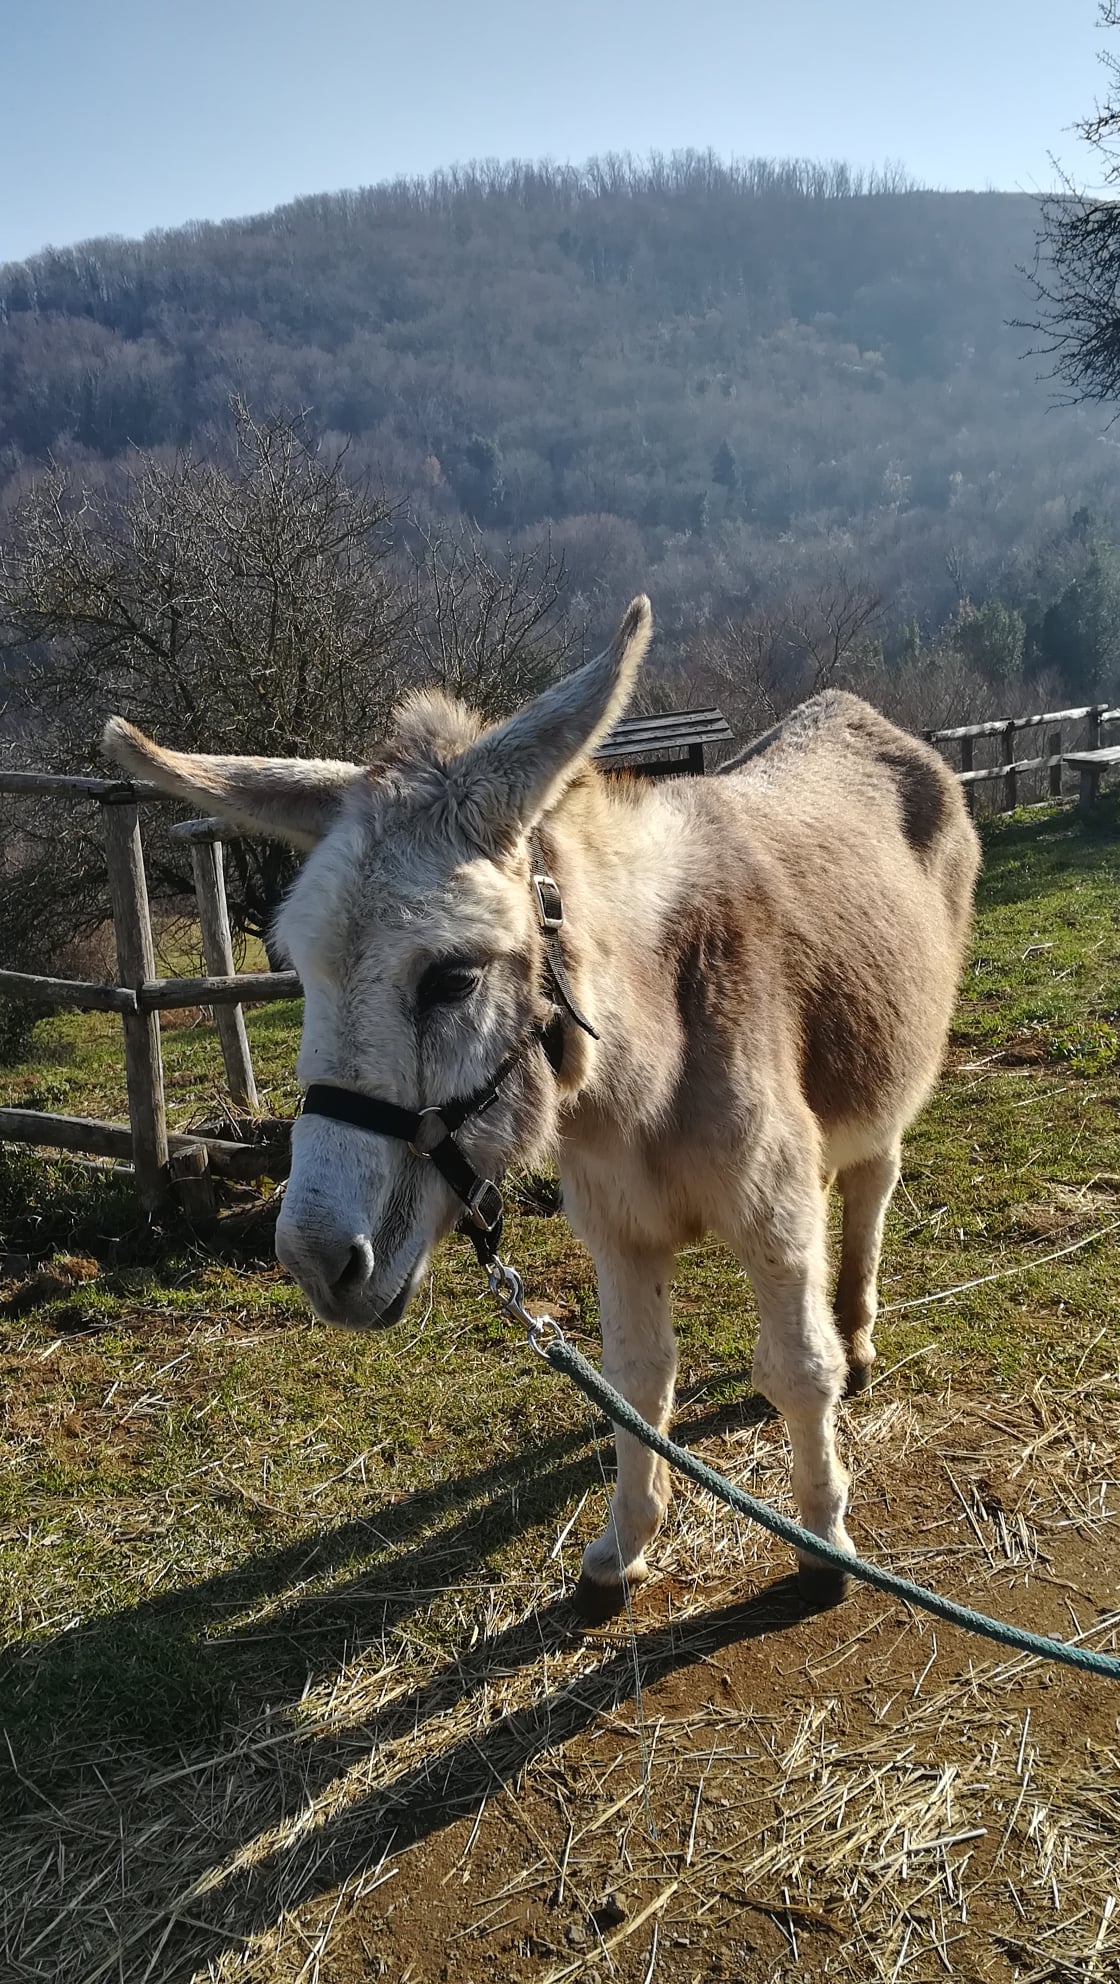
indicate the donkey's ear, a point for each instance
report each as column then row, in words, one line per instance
column 290, row 799
column 505, row 782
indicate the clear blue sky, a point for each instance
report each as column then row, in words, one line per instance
column 122, row 115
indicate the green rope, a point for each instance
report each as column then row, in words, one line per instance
column 558, row 1352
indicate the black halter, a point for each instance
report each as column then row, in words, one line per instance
column 430, row 1133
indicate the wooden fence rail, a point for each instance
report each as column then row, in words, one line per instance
column 1010, row 769
column 87, row 1133
column 68, row 992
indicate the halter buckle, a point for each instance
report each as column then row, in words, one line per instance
column 430, row 1131
column 485, row 1206
column 550, row 903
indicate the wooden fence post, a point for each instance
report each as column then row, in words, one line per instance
column 190, row 1171
column 143, row 1063
column 217, row 950
column 1010, row 777
column 966, row 766
column 1087, row 788
column 1054, row 750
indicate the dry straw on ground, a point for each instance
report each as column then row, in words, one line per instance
column 724, row 1791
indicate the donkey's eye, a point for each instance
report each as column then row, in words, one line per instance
column 447, row 983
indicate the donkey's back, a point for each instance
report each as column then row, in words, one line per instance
column 862, row 864
column 838, row 771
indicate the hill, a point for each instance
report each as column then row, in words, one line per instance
column 697, row 374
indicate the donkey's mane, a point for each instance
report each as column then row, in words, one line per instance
column 431, row 728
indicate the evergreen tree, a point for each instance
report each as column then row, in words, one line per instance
column 725, row 469
column 1080, row 636
column 991, row 640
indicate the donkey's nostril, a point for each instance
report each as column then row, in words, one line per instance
column 356, row 1272
column 333, row 1264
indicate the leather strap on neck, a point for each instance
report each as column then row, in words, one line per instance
column 550, row 916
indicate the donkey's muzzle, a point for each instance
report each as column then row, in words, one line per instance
column 333, row 1266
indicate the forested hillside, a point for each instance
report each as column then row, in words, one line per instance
column 718, row 382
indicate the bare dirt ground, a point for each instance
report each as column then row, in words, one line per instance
column 719, row 1788
column 742, row 1792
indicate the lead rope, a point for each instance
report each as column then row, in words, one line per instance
column 547, row 1339
column 508, row 1290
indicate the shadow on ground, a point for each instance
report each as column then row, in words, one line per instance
column 165, row 1681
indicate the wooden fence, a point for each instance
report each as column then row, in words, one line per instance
column 166, row 1164
column 163, row 1164
column 1002, row 733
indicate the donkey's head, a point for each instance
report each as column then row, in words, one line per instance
column 415, row 932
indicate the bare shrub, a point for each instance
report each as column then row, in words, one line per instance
column 764, row 662
column 487, row 625
column 268, row 604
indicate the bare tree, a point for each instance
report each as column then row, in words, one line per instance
column 269, row 604
column 831, row 627
column 490, row 628
column 931, row 688
column 743, row 662
column 1076, row 278
column 248, row 607
column 765, row 661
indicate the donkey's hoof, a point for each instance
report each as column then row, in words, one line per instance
column 597, row 1602
column 820, row 1586
column 859, row 1377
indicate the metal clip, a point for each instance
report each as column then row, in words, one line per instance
column 544, row 1331
column 508, row 1290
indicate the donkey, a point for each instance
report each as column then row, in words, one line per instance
column 710, row 998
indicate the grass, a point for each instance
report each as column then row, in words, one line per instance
column 271, row 1592
column 78, row 1068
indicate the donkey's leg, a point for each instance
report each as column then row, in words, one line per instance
column 866, row 1190
column 640, row 1361
column 799, row 1366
